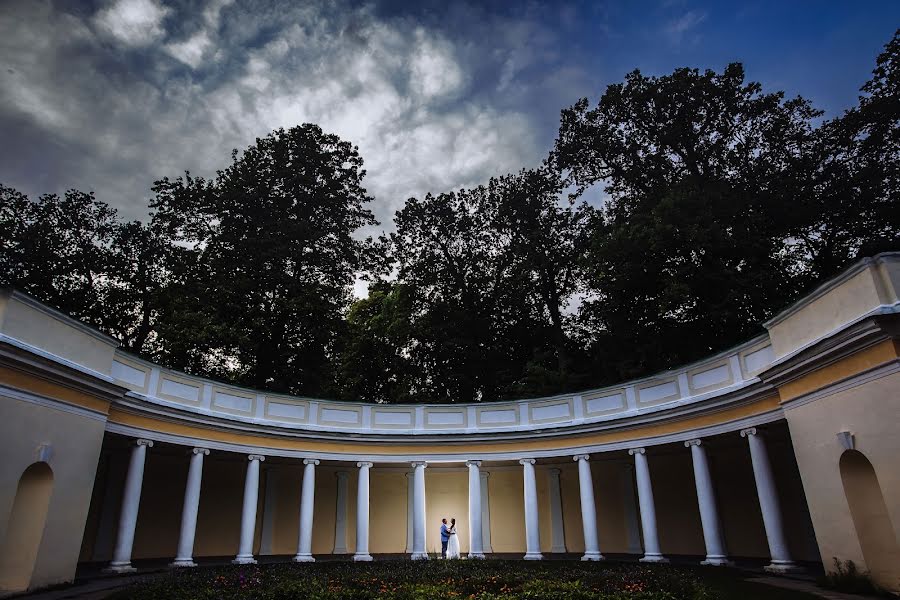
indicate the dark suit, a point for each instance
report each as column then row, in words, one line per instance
column 445, row 537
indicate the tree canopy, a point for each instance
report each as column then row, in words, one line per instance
column 720, row 203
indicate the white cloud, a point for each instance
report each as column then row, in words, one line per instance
column 191, row 50
column 677, row 28
column 400, row 91
column 133, row 22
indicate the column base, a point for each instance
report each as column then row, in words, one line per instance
column 558, row 550
column 182, row 562
column 419, row 556
column 654, row 558
column 244, row 560
column 119, row 568
column 533, row 556
column 716, row 561
column 304, row 558
column 592, row 556
column 362, row 558
column 475, row 556
column 785, row 567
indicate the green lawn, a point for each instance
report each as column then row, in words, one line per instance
column 455, row 580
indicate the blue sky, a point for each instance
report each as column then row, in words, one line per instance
column 109, row 95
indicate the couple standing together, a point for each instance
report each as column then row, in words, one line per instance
column 449, row 539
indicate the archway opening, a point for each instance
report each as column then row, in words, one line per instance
column 25, row 527
column 870, row 518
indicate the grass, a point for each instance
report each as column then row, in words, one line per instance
column 455, row 580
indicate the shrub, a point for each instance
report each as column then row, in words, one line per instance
column 846, row 577
column 433, row 580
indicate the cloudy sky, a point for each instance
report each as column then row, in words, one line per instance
column 109, row 95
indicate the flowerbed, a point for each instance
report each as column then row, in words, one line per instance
column 432, row 580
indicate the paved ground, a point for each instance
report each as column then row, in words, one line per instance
column 802, row 585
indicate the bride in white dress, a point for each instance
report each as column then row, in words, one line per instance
column 453, row 543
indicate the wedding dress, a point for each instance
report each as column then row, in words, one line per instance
column 453, row 544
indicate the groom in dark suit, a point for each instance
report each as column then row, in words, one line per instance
column 445, row 537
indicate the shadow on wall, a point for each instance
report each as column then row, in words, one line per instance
column 25, row 527
column 871, row 519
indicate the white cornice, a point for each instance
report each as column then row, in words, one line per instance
column 23, row 396
column 5, row 339
column 459, row 456
column 669, row 413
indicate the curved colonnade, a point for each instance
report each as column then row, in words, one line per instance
column 531, row 476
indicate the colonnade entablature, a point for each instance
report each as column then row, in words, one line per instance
column 726, row 374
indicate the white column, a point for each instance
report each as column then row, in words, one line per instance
column 362, row 513
column 648, row 509
column 185, row 553
column 307, row 500
column 706, row 500
column 419, row 552
column 410, row 509
column 131, row 500
column 485, row 513
column 768, row 503
column 475, row 549
column 248, row 513
column 340, row 517
column 557, row 528
column 532, row 533
column 588, row 509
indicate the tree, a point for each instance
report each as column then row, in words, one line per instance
column 852, row 206
column 59, row 249
column 702, row 172
column 548, row 239
column 275, row 257
column 474, row 322
column 375, row 364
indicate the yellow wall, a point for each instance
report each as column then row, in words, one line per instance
column 871, row 411
column 75, row 442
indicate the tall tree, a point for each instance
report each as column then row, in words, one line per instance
column 375, row 363
column 59, row 249
column 852, row 205
column 474, row 322
column 276, row 252
column 701, row 171
column 548, row 238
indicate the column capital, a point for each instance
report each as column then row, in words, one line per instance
column 578, row 457
column 203, row 451
column 634, row 451
column 342, row 474
column 310, row 461
column 694, row 442
column 418, row 463
column 527, row 461
column 473, row 463
column 554, row 471
column 143, row 442
column 258, row 457
column 364, row 465
column 749, row 431
column 484, row 474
